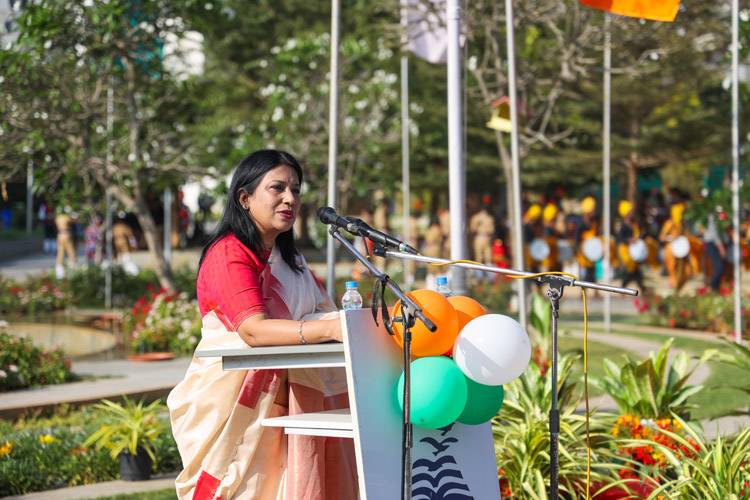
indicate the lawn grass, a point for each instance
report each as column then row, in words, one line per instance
column 716, row 399
column 597, row 351
column 166, row 494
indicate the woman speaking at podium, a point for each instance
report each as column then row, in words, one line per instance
column 255, row 289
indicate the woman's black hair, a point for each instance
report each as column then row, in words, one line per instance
column 247, row 176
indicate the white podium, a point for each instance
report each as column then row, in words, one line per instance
column 453, row 463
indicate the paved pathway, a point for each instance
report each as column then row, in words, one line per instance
column 124, row 377
column 97, row 490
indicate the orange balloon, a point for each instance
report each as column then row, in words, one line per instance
column 439, row 310
column 467, row 309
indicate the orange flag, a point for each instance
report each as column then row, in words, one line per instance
column 655, row 10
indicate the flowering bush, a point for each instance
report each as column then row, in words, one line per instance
column 700, row 468
column 652, row 461
column 37, row 296
column 47, row 453
column 162, row 321
column 83, row 286
column 495, row 298
column 702, row 311
column 24, row 365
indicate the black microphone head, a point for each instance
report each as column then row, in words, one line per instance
column 324, row 214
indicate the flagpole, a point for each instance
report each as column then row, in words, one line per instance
column 736, row 173
column 333, row 140
column 456, row 175
column 405, row 163
column 405, row 181
column 607, row 166
column 518, row 260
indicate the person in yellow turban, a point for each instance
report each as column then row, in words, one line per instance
column 588, row 228
column 629, row 233
column 678, row 268
column 532, row 230
column 550, row 235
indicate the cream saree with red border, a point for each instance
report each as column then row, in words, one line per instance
column 216, row 415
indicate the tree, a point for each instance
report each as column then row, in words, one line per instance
column 275, row 93
column 665, row 106
column 57, row 75
column 552, row 47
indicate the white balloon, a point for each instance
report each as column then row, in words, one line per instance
column 593, row 249
column 492, row 349
column 539, row 249
column 680, row 247
column 638, row 250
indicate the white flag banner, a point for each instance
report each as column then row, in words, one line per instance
column 424, row 21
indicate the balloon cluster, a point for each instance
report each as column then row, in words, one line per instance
column 462, row 365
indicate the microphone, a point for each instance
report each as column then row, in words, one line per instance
column 328, row 216
column 357, row 227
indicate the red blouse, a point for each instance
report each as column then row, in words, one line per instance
column 228, row 282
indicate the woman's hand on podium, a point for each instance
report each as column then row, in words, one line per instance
column 259, row 330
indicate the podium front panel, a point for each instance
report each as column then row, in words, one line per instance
column 456, row 462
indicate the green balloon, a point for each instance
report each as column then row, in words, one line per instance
column 438, row 392
column 482, row 403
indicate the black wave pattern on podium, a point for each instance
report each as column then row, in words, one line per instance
column 429, row 473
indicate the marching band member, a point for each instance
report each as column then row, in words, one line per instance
column 628, row 234
column 550, row 234
column 588, row 228
column 716, row 253
column 532, row 229
column 677, row 251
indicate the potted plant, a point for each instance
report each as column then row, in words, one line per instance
column 128, row 433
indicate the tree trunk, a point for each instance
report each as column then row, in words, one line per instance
column 632, row 173
column 137, row 205
column 154, row 243
column 138, row 202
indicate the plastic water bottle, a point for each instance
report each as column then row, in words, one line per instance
column 351, row 299
column 442, row 286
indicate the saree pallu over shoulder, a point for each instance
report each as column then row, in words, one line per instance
column 217, row 414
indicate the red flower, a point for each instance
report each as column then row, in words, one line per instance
column 672, row 322
column 683, row 314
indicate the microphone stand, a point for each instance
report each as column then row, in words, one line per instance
column 410, row 312
column 556, row 282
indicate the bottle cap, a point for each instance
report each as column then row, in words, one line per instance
column 351, row 284
column 442, row 280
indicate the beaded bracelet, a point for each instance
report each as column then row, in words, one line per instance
column 299, row 331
